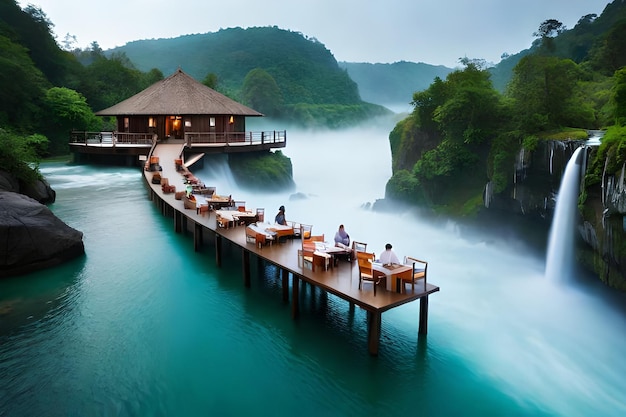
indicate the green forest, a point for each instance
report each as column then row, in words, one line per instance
column 47, row 91
column 464, row 131
column 280, row 73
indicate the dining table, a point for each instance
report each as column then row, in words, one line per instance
column 332, row 250
column 218, row 201
column 394, row 273
column 237, row 216
column 281, row 230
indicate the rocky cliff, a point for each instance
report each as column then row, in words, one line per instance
column 602, row 229
column 536, row 181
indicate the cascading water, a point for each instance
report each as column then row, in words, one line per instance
column 561, row 240
column 215, row 172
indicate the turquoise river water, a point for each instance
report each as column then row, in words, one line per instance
column 144, row 326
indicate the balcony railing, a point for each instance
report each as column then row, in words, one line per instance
column 111, row 138
column 236, row 138
column 273, row 137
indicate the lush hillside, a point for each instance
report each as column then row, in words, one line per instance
column 586, row 41
column 568, row 79
column 467, row 147
column 392, row 83
column 301, row 79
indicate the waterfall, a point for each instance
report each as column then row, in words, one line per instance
column 561, row 240
column 215, row 172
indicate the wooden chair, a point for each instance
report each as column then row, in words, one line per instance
column 203, row 208
column 222, row 222
column 310, row 255
column 189, row 202
column 260, row 215
column 307, row 254
column 305, row 231
column 420, row 268
column 252, row 236
column 305, row 259
column 366, row 272
column 317, row 238
column 359, row 246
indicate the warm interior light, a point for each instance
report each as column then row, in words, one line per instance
column 187, row 123
column 151, row 122
column 212, row 122
column 232, row 120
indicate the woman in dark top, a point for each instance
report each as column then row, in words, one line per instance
column 280, row 217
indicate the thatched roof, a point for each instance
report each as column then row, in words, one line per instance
column 178, row 94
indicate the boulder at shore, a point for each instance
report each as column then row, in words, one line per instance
column 32, row 237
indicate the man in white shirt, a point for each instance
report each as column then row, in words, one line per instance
column 388, row 256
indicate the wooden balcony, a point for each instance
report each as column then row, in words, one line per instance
column 116, row 143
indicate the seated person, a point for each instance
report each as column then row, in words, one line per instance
column 388, row 256
column 280, row 217
column 342, row 239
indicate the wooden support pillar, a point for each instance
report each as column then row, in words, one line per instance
column 218, row 250
column 285, row 278
column 178, row 221
column 373, row 331
column 423, row 327
column 295, row 297
column 197, row 237
column 246, row 267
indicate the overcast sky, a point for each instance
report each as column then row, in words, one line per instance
column 437, row 32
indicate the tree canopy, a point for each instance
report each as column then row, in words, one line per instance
column 463, row 134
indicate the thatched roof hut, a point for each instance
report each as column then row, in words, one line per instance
column 177, row 105
column 178, row 94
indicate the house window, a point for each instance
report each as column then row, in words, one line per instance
column 151, row 122
column 212, row 121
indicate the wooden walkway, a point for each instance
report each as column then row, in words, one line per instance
column 341, row 281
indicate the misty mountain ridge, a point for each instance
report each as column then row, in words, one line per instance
column 393, row 84
column 306, row 71
column 299, row 64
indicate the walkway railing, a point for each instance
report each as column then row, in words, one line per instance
column 236, row 138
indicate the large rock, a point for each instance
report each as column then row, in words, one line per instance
column 32, row 237
column 40, row 190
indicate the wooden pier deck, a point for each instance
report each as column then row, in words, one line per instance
column 341, row 280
